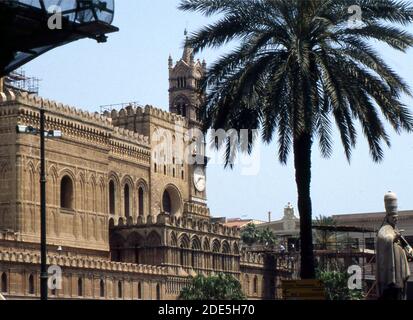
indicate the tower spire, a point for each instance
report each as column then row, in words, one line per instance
column 184, row 79
column 188, row 54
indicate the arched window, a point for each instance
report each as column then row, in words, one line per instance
column 166, row 202
column 80, row 287
column 181, row 105
column 102, row 289
column 126, row 200
column 181, row 108
column 66, row 193
column 141, row 199
column 30, row 287
column 164, row 170
column 139, row 291
column 111, row 197
column 158, row 292
column 4, row 286
column 247, row 285
column 120, row 293
column 255, row 285
column 182, row 256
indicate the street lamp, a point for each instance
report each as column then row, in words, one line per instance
column 43, row 244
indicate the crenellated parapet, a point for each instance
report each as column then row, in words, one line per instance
column 165, row 116
column 55, row 108
column 76, row 124
column 81, row 262
column 137, row 112
column 128, row 144
column 187, row 223
column 196, row 209
column 251, row 258
column 129, row 136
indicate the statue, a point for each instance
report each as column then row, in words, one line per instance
column 392, row 268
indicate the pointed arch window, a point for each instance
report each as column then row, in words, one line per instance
column 4, row 284
column 80, row 287
column 139, row 291
column 141, row 206
column 166, row 202
column 66, row 193
column 255, row 285
column 126, row 195
column 158, row 292
column 112, row 197
column 30, row 288
column 247, row 284
column 120, row 293
column 102, row 288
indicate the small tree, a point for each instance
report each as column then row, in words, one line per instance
column 249, row 234
column 336, row 286
column 267, row 238
column 216, row 287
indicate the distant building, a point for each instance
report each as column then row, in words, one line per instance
column 287, row 228
column 241, row 223
column 374, row 220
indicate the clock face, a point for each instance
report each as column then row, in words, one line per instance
column 199, row 179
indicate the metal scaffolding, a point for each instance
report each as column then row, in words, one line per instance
column 343, row 249
column 18, row 80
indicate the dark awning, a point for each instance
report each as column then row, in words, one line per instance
column 342, row 228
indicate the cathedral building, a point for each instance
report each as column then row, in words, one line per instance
column 127, row 214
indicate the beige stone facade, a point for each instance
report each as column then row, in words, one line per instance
column 125, row 216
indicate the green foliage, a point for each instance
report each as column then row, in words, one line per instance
column 216, row 287
column 267, row 237
column 251, row 235
column 324, row 239
column 336, row 285
column 325, row 221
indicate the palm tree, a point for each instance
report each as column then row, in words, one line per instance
column 325, row 238
column 267, row 238
column 249, row 234
column 299, row 66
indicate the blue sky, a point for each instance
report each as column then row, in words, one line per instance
column 132, row 66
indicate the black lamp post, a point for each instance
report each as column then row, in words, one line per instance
column 43, row 244
column 25, row 35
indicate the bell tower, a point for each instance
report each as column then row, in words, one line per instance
column 185, row 97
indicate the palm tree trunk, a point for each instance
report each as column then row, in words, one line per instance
column 302, row 163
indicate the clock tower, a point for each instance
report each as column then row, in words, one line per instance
column 185, row 99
